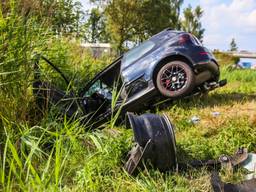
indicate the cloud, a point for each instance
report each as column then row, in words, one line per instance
column 226, row 19
column 87, row 5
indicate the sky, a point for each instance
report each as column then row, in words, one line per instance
column 224, row 20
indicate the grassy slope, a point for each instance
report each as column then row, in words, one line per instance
column 61, row 156
column 213, row 136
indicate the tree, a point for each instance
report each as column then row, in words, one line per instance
column 135, row 21
column 95, row 27
column 62, row 16
column 160, row 14
column 233, row 46
column 66, row 17
column 121, row 18
column 191, row 21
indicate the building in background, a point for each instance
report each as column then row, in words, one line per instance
column 98, row 49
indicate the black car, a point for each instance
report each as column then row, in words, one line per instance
column 169, row 65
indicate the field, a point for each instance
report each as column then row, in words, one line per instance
column 54, row 156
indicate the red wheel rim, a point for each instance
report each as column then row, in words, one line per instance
column 173, row 78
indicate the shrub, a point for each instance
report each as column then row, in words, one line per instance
column 225, row 59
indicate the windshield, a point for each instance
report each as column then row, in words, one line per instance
column 137, row 52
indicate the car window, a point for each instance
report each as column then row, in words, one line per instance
column 137, row 52
column 101, row 88
column 197, row 41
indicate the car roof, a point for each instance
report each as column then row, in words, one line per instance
column 166, row 32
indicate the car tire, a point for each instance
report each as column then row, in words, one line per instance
column 175, row 79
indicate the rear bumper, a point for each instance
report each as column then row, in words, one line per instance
column 207, row 65
column 206, row 70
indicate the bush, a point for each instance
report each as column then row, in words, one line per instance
column 225, row 59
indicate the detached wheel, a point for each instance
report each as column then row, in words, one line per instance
column 175, row 79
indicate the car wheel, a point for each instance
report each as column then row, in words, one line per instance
column 175, row 79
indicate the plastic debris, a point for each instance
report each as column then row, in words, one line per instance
column 194, row 119
column 250, row 165
column 215, row 114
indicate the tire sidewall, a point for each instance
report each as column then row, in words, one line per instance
column 187, row 88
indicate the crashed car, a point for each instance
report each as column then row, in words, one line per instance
column 170, row 65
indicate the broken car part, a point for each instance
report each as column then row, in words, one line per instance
column 155, row 141
column 250, row 165
column 220, row 186
column 224, row 161
column 47, row 94
column 215, row 113
column 194, row 119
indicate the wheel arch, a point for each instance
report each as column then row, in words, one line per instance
column 167, row 59
column 215, row 61
column 218, row 67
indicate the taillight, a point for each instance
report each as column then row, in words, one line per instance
column 203, row 53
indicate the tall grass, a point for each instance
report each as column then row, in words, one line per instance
column 20, row 37
column 37, row 158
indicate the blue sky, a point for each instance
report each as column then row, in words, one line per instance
column 224, row 20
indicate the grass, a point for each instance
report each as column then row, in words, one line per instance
column 45, row 154
column 62, row 157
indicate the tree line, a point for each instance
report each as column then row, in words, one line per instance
column 124, row 22
column 120, row 22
